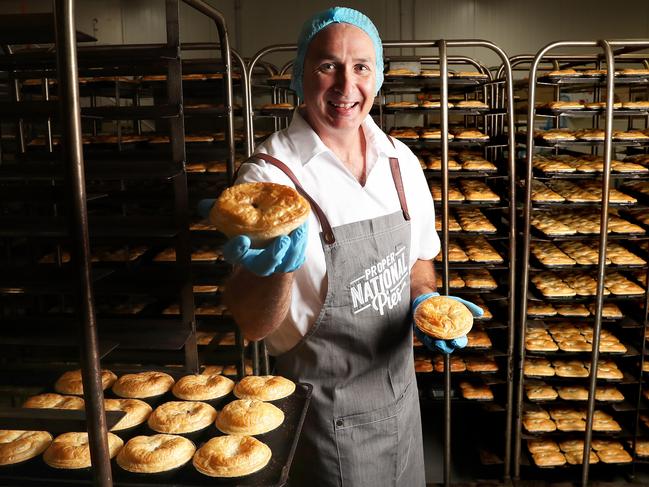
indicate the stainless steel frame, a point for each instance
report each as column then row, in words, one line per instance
column 609, row 56
column 73, row 152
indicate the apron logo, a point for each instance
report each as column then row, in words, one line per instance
column 381, row 284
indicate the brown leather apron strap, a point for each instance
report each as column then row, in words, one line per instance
column 398, row 183
column 328, row 234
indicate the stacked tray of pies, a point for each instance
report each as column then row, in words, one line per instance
column 569, row 337
column 573, row 222
column 573, row 253
column 564, row 164
column 571, row 284
column 568, row 137
column 469, row 279
column 458, row 161
column 547, row 453
column 472, row 191
column 564, row 191
column 471, row 250
column 567, row 420
column 539, row 391
column 467, row 220
column 541, row 309
column 546, row 368
column 432, row 134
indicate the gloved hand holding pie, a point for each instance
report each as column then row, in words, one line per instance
column 266, row 224
column 441, row 323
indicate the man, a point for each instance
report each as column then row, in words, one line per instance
column 332, row 300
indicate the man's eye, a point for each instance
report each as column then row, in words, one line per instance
column 327, row 67
column 362, row 67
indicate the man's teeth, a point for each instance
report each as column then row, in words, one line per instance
column 343, row 105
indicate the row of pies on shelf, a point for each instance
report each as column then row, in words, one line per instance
column 639, row 186
column 542, row 367
column 466, row 220
column 476, row 338
column 573, row 252
column 561, row 190
column 585, row 163
column 570, row 72
column 474, row 249
column 146, row 138
column 567, row 135
column 205, row 309
column 432, row 133
column 464, row 160
column 471, row 190
column 579, row 283
column 567, row 419
column 131, row 79
column 470, row 278
column 547, row 453
column 568, row 337
column 227, row 338
column 597, row 105
column 460, row 105
column 130, row 253
column 478, row 363
column 434, row 73
column 573, row 310
column 100, row 254
column 540, row 391
column 555, row 223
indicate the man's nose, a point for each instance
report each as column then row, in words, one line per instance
column 344, row 81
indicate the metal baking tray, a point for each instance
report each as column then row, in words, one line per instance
column 282, row 441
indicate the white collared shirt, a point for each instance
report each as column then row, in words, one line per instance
column 343, row 200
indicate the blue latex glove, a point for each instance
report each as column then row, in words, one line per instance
column 444, row 346
column 285, row 253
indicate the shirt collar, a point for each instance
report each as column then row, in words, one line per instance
column 308, row 145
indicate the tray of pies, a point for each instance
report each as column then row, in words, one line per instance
column 583, row 254
column 572, row 222
column 556, row 419
column 563, row 285
column 461, row 162
column 585, row 192
column 538, row 391
column 475, row 250
column 281, row 444
column 570, row 337
column 547, row 453
column 474, row 280
column 545, row 310
column 544, row 368
column 476, row 390
column 467, row 221
column 583, row 165
column 467, row 191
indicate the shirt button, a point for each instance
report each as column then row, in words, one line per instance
column 339, row 422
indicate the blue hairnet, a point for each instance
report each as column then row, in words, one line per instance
column 321, row 20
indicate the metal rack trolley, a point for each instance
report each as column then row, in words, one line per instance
column 67, row 69
column 609, row 57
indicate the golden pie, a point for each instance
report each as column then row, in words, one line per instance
column 70, row 382
column 54, row 401
column 71, row 450
column 249, row 417
column 264, row 387
column 443, row 317
column 178, row 417
column 18, row 446
column 136, row 411
column 262, row 211
column 231, row 456
column 202, row 387
column 143, row 384
column 156, row 453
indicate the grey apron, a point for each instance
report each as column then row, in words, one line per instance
column 363, row 426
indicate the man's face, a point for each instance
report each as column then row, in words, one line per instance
column 339, row 79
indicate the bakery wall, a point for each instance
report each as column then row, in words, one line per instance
column 518, row 26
